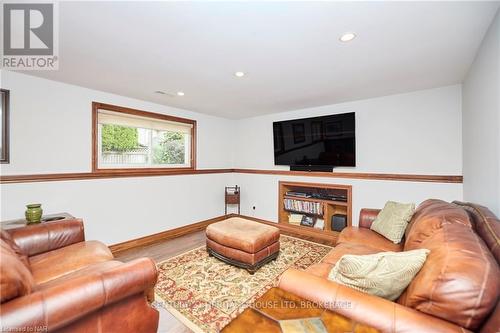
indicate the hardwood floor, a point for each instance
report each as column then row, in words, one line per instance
column 162, row 251
column 166, row 249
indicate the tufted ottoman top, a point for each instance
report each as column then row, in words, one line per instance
column 243, row 234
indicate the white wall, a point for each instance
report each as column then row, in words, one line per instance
column 51, row 124
column 415, row 133
column 481, row 123
column 51, row 133
column 418, row 132
column 120, row 209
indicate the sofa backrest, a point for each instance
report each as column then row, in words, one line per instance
column 15, row 278
column 487, row 226
column 5, row 236
column 459, row 280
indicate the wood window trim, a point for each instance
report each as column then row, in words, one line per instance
column 120, row 109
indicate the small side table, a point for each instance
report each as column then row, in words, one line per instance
column 19, row 223
column 232, row 197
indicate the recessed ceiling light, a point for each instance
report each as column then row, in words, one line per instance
column 347, row 37
column 180, row 93
column 239, row 74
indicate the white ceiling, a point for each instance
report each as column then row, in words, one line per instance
column 290, row 50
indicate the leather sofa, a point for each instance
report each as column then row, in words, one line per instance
column 53, row 280
column 457, row 289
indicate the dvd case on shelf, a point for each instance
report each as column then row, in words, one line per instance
column 307, row 207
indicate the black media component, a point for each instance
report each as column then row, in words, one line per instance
column 311, row 168
column 339, row 222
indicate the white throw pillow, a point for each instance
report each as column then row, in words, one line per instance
column 392, row 221
column 384, row 274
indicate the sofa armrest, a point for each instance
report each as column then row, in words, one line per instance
column 367, row 216
column 373, row 311
column 64, row 303
column 48, row 236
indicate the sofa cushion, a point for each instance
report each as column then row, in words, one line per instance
column 15, row 278
column 92, row 268
column 429, row 217
column 459, row 281
column 321, row 269
column 391, row 222
column 383, row 274
column 367, row 237
column 53, row 264
column 5, row 236
column 347, row 248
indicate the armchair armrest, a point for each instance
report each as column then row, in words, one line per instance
column 377, row 312
column 62, row 304
column 367, row 216
column 48, row 236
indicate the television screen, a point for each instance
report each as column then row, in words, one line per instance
column 319, row 141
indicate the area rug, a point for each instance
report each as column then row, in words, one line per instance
column 206, row 294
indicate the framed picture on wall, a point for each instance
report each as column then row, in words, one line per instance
column 299, row 133
column 4, row 118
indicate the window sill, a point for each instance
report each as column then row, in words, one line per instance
column 142, row 171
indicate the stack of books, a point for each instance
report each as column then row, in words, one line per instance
column 304, row 206
column 295, row 219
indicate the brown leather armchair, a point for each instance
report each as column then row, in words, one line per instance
column 53, row 280
column 456, row 290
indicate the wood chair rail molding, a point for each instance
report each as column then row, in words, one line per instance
column 360, row 175
column 12, row 179
column 33, row 178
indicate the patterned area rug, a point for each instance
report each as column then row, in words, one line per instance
column 206, row 294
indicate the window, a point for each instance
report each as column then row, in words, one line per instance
column 128, row 139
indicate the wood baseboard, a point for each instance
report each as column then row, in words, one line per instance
column 296, row 231
column 165, row 235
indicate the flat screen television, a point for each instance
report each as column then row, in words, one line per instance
column 316, row 143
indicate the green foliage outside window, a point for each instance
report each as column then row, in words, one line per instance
column 169, row 149
column 119, row 138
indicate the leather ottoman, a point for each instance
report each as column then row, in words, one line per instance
column 243, row 243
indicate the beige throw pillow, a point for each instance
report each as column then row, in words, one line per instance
column 384, row 274
column 391, row 222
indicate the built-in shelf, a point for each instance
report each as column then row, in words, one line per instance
column 328, row 207
column 333, row 202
